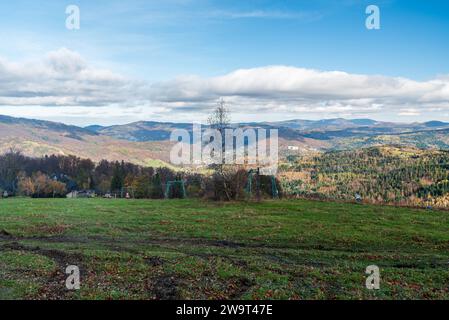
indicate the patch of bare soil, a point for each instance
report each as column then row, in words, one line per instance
column 164, row 288
column 239, row 286
column 154, row 261
column 48, row 229
column 5, row 235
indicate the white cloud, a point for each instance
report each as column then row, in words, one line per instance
column 64, row 79
column 409, row 112
column 264, row 14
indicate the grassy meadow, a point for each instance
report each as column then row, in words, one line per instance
column 189, row 249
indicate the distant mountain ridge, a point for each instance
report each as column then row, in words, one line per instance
column 147, row 142
column 322, row 129
column 56, row 126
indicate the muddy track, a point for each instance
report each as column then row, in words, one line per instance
column 54, row 287
column 161, row 287
column 117, row 242
column 160, row 240
column 116, row 245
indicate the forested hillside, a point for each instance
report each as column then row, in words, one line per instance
column 380, row 174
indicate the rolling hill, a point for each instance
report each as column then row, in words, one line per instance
column 38, row 138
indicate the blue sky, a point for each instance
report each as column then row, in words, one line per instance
column 171, row 50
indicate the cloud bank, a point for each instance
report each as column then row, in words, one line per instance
column 64, row 79
column 283, row 88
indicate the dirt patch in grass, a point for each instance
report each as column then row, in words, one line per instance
column 48, row 229
column 165, row 288
column 239, row 286
column 154, row 261
column 4, row 233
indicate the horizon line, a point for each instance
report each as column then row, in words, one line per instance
column 232, row 123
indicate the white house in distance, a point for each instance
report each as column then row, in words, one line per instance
column 293, row 148
column 81, row 194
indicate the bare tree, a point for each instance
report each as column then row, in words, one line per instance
column 220, row 120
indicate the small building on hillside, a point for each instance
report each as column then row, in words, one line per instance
column 81, row 194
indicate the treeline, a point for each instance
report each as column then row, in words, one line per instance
column 57, row 175
column 377, row 175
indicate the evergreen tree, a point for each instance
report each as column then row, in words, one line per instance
column 117, row 181
column 156, row 187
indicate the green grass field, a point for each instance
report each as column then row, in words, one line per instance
column 189, row 249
